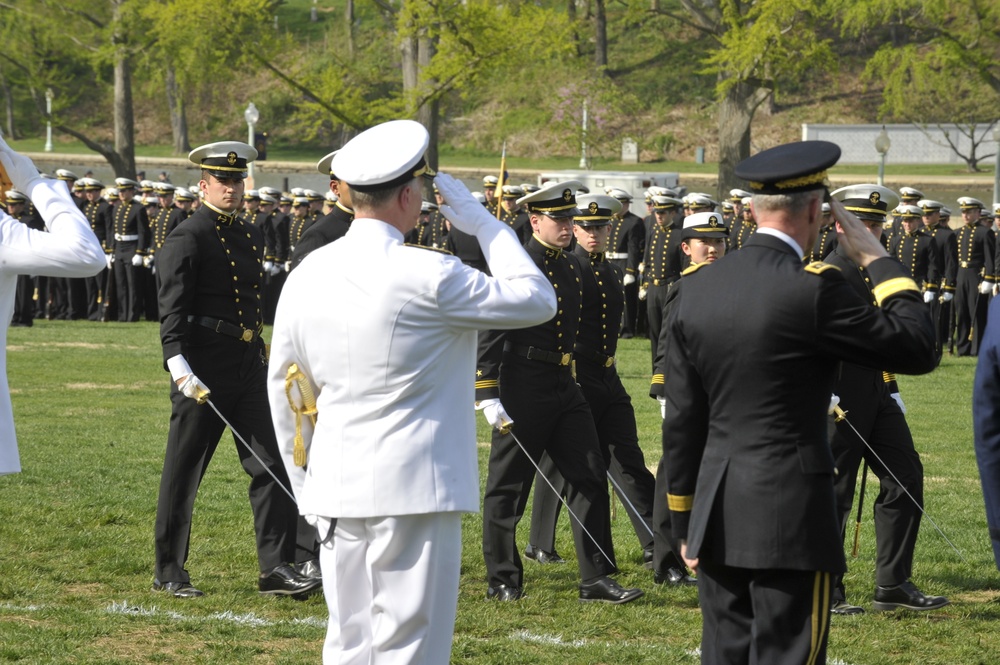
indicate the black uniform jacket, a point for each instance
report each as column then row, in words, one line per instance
column 750, row 472
column 209, row 266
column 328, row 228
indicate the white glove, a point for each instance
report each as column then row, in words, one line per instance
column 928, row 296
column 136, row 260
column 834, row 402
column 899, row 401
column 948, row 296
column 147, row 261
column 663, row 406
column 985, row 287
column 642, row 267
column 996, row 289
column 20, row 169
column 629, row 279
column 267, row 265
column 288, row 266
column 109, row 259
column 493, row 410
column 275, row 269
column 193, row 387
column 460, row 208
column 642, row 293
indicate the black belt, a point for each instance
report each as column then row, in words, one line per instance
column 534, row 353
column 593, row 356
column 224, row 328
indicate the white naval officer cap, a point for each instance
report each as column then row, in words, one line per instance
column 479, row 196
column 67, row 175
column 312, row 195
column 14, row 196
column 910, row 195
column 825, row 208
column 554, row 199
column 323, row 165
column 427, row 206
column 704, row 225
column 271, row 191
column 596, row 209
column 666, row 203
column 929, row 205
column 698, row 201
column 183, row 194
column 969, row 203
column 330, row 197
column 267, row 198
column 868, row 202
column 512, row 192
column 224, row 159
column 125, row 183
column 619, row 194
column 909, row 211
column 737, row 195
column 386, row 156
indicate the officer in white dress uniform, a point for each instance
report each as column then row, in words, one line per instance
column 388, row 348
column 70, row 249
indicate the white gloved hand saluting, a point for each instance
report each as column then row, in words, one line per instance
column 899, row 401
column 928, row 296
column 460, row 208
column 985, row 287
column 629, row 279
column 192, row 387
column 494, row 412
column 136, row 260
column 20, row 169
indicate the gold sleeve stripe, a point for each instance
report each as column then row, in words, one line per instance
column 891, row 287
column 657, row 379
column 490, row 383
column 818, row 267
column 680, row 504
column 888, row 377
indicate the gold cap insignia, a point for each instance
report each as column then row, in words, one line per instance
column 592, row 208
column 874, row 198
column 231, row 158
column 567, row 194
column 713, row 221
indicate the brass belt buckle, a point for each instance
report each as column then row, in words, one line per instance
column 610, row 361
column 965, row 264
column 566, row 359
column 247, row 336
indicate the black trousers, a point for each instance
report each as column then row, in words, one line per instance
column 763, row 616
column 128, row 286
column 94, row 287
column 946, row 325
column 665, row 547
column 614, row 418
column 24, row 306
column 629, row 316
column 655, row 297
column 236, row 373
column 970, row 312
column 550, row 416
column 878, row 419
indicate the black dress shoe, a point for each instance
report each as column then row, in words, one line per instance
column 285, row 581
column 674, row 576
column 310, row 569
column 647, row 558
column 845, row 609
column 541, row 556
column 907, row 596
column 177, row 589
column 606, row 590
column 504, row 593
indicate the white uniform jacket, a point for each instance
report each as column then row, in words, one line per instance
column 70, row 250
column 386, row 334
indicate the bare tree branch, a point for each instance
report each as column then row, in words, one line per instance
column 334, row 111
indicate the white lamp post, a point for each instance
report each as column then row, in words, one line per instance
column 251, row 115
column 48, row 119
column 996, row 166
column 882, row 144
column 583, row 142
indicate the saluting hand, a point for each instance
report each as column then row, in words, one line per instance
column 858, row 242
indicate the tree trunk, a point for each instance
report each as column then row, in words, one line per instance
column 571, row 15
column 736, row 110
column 349, row 17
column 124, row 119
column 428, row 112
column 8, row 102
column 178, row 116
column 600, row 35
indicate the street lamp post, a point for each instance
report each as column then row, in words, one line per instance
column 583, row 142
column 48, row 119
column 882, row 144
column 251, row 115
column 996, row 166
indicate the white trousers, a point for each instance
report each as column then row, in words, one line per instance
column 391, row 585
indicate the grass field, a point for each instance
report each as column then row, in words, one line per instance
column 76, row 555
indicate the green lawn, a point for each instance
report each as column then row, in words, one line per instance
column 76, row 527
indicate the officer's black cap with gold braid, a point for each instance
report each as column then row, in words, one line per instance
column 789, row 168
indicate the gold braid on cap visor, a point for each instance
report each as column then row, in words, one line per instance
column 812, row 179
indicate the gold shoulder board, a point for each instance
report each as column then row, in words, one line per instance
column 693, row 268
column 818, row 267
